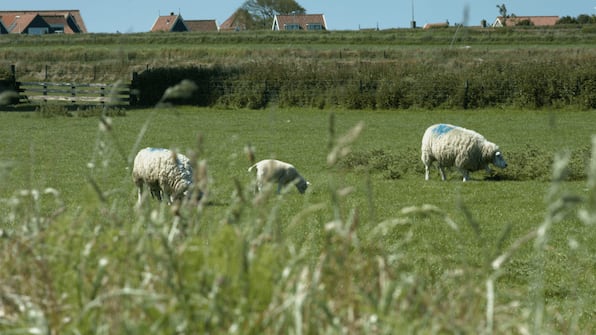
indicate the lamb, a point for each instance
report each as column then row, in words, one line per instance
column 465, row 149
column 166, row 173
column 282, row 173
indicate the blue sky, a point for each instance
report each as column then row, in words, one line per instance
column 129, row 16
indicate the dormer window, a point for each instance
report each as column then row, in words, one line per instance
column 292, row 26
column 314, row 26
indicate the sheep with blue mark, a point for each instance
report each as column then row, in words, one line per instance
column 464, row 149
column 166, row 173
column 282, row 173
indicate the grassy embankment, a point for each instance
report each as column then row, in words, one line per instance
column 111, row 57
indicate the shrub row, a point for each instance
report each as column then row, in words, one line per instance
column 457, row 82
column 533, row 163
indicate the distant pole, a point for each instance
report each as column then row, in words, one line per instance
column 413, row 22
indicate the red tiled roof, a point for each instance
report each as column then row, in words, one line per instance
column 72, row 18
column 59, row 20
column 436, row 25
column 201, row 25
column 17, row 23
column 235, row 22
column 538, row 21
column 304, row 21
column 170, row 22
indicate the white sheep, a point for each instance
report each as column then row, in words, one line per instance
column 167, row 174
column 462, row 148
column 282, row 173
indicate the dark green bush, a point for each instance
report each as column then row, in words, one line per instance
column 449, row 79
column 152, row 84
column 390, row 165
column 532, row 163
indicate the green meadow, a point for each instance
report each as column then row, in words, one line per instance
column 370, row 248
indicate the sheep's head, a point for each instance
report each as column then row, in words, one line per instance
column 491, row 153
column 499, row 160
column 302, row 185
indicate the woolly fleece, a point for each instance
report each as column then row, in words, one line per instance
column 453, row 146
column 164, row 172
column 282, row 173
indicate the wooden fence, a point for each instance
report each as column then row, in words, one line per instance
column 75, row 93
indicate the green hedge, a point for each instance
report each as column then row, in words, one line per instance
column 152, row 84
column 450, row 80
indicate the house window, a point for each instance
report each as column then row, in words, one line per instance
column 37, row 30
column 57, row 28
column 291, row 26
column 314, row 26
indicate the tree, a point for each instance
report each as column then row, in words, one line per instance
column 584, row 19
column 503, row 12
column 263, row 11
column 567, row 20
column 580, row 19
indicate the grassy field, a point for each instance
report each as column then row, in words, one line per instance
column 370, row 248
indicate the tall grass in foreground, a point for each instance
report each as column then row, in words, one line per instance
column 107, row 267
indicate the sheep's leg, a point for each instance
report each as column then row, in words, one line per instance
column 466, row 174
column 156, row 193
column 140, row 193
column 426, row 172
column 168, row 197
column 442, row 171
column 155, row 190
column 260, row 181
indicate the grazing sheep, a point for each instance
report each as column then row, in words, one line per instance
column 465, row 149
column 166, row 173
column 282, row 173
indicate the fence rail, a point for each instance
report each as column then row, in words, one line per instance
column 76, row 93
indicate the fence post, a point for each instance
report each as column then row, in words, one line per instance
column 132, row 91
column 14, row 83
column 73, row 92
column 102, row 94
